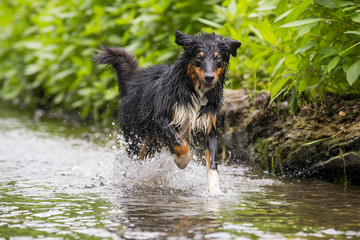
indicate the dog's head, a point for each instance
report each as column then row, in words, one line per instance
column 208, row 56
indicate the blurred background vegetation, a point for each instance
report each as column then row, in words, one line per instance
column 295, row 49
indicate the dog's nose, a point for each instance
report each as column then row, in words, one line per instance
column 209, row 77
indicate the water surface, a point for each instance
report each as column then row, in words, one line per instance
column 54, row 185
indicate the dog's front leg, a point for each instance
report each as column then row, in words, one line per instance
column 179, row 144
column 211, row 164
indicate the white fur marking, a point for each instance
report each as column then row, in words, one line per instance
column 187, row 118
column 213, row 182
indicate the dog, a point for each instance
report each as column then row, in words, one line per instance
column 165, row 105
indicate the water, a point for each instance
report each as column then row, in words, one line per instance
column 56, row 186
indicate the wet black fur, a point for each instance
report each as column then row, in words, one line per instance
column 149, row 95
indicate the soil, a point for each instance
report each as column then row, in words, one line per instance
column 318, row 141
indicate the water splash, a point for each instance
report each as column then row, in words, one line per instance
column 160, row 173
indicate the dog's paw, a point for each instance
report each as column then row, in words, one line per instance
column 183, row 155
column 213, row 182
column 183, row 160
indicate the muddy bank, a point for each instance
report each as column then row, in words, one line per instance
column 320, row 141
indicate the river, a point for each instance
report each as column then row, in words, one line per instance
column 56, row 185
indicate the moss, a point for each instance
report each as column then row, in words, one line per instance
column 279, row 161
column 262, row 154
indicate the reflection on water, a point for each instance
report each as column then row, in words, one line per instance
column 56, row 187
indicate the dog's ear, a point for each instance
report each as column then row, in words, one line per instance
column 183, row 39
column 231, row 45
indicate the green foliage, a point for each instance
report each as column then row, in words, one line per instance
column 305, row 48
column 46, row 48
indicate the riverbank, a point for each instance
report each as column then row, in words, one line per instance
column 320, row 141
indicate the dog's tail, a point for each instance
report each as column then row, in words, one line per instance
column 124, row 64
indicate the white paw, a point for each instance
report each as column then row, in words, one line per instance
column 183, row 160
column 213, row 182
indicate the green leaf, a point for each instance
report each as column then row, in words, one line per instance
column 333, row 3
column 285, row 14
column 304, row 48
column 291, row 62
column 346, row 51
column 281, row 6
column 326, row 3
column 29, row 45
column 111, row 93
column 327, row 52
column 267, row 32
column 209, row 23
column 355, row 17
column 86, row 92
column 301, row 22
column 353, row 32
column 353, row 73
column 306, row 29
column 69, row 50
column 278, row 86
column 302, row 84
column 278, row 65
column 315, row 141
column 333, row 63
column 298, row 11
column 256, row 32
column 232, row 8
column 63, row 74
column 346, row 3
column 31, row 69
column 351, row 8
column 59, row 98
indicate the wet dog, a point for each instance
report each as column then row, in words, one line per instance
column 165, row 105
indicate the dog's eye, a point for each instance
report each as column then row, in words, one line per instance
column 198, row 59
column 218, row 59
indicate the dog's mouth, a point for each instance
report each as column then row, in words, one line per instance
column 208, row 85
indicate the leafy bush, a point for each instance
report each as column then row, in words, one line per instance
column 46, row 47
column 304, row 47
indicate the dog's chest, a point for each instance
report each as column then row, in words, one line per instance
column 186, row 118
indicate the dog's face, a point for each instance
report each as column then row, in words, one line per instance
column 208, row 56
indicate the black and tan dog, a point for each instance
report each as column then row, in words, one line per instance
column 164, row 105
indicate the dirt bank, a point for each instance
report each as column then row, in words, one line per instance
column 320, row 141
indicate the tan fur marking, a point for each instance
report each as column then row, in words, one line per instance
column 143, row 148
column 210, row 123
column 192, row 73
column 189, row 70
column 181, row 150
column 218, row 73
column 199, row 73
column 216, row 54
column 196, row 74
column 201, row 54
column 207, row 158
